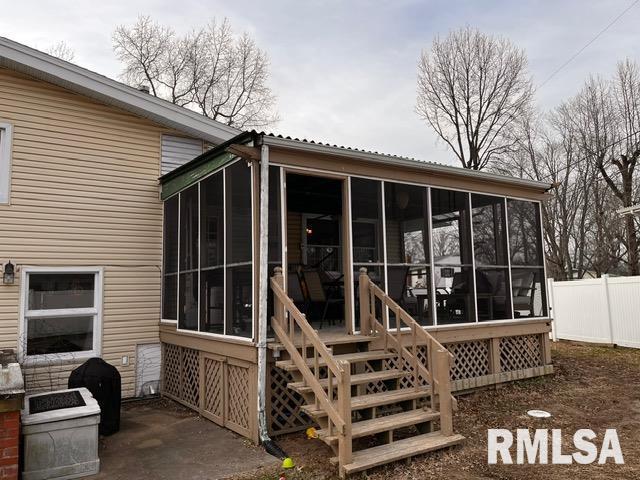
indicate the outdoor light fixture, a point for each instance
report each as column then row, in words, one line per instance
column 9, row 275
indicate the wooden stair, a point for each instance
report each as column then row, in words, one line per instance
column 358, row 379
column 374, row 400
column 372, row 391
column 387, row 423
column 399, row 450
column 355, row 357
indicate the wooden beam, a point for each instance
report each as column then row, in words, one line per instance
column 242, row 151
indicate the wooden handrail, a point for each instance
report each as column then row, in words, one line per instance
column 438, row 357
column 286, row 323
column 407, row 319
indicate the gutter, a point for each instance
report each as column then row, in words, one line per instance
column 383, row 159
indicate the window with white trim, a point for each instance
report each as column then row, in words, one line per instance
column 62, row 310
column 5, row 161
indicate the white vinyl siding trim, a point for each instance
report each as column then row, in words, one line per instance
column 6, row 134
column 176, row 151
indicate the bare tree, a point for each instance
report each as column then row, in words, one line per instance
column 471, row 88
column 609, row 128
column 211, row 70
column 580, row 225
column 62, row 51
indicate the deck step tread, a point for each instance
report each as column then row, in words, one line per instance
column 357, row 379
column 365, row 428
column 406, row 448
column 355, row 357
column 374, row 400
column 328, row 340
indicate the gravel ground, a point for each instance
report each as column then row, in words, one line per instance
column 592, row 387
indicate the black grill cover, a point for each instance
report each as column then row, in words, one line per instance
column 103, row 381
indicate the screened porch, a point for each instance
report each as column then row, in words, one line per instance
column 447, row 257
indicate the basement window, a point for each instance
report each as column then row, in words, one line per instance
column 5, row 161
column 62, row 313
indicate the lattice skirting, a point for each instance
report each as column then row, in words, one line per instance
column 286, row 415
column 223, row 389
column 181, row 374
column 484, row 362
column 518, row 353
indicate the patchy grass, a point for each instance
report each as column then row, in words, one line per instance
column 592, row 387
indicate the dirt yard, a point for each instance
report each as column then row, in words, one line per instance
column 592, row 387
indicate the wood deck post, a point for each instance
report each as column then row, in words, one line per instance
column 365, row 304
column 444, row 392
column 344, row 407
column 494, row 355
column 278, row 306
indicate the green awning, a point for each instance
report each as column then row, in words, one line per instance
column 189, row 177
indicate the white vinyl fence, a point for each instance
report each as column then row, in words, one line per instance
column 602, row 310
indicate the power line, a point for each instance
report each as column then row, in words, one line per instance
column 582, row 159
column 589, row 43
column 567, row 62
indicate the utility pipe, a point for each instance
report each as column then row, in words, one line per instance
column 263, row 284
column 262, row 295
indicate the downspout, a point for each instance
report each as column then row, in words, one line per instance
column 269, row 445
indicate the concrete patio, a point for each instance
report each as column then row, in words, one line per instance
column 160, row 439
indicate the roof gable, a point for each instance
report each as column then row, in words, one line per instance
column 34, row 63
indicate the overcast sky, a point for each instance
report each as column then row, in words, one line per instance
column 345, row 71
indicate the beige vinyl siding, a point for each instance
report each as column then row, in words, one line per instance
column 84, row 192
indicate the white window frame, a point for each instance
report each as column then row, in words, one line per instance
column 25, row 313
column 6, row 136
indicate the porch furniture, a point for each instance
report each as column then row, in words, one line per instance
column 422, row 301
column 487, row 299
column 294, row 289
column 457, row 302
column 314, row 289
column 397, row 289
column 333, row 282
column 494, row 293
column 523, row 287
column 485, row 293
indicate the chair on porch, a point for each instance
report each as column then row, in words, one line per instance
column 459, row 298
column 314, row 289
column 523, row 287
column 397, row 289
column 294, row 290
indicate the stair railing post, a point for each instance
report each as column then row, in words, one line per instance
column 365, row 303
column 444, row 391
column 278, row 306
column 344, row 409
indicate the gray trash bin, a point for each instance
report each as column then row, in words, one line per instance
column 60, row 433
